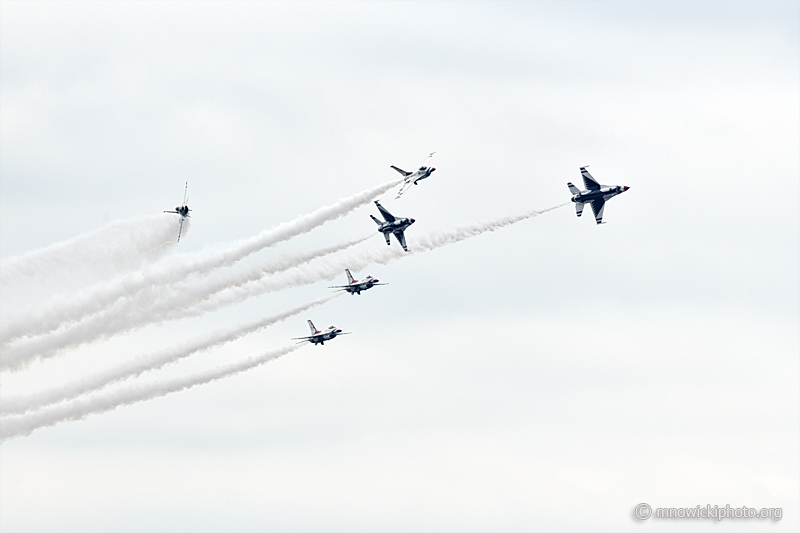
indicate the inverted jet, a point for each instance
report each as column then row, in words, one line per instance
column 182, row 210
column 355, row 287
column 392, row 225
column 412, row 178
column 595, row 195
column 319, row 337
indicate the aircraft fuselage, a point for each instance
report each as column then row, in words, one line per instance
column 423, row 173
column 399, row 224
column 603, row 193
column 356, row 288
column 326, row 335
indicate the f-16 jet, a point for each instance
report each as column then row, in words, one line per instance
column 595, row 195
column 182, row 210
column 355, row 287
column 319, row 337
column 412, row 178
column 392, row 225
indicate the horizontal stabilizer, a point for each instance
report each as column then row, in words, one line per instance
column 573, row 189
column 378, row 222
column 579, row 208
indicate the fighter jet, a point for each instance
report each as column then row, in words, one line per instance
column 355, row 287
column 182, row 210
column 410, row 178
column 392, row 225
column 595, row 194
column 319, row 337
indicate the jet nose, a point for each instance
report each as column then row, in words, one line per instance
column 625, row 187
column 433, row 168
column 412, row 220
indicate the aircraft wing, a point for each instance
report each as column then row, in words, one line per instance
column 402, row 238
column 403, row 189
column 598, row 206
column 180, row 229
column 401, row 171
column 387, row 216
column 590, row 183
column 428, row 159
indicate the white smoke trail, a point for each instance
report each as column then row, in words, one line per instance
column 328, row 267
column 23, row 353
column 152, row 306
column 16, row 426
column 71, row 308
column 21, row 404
column 123, row 244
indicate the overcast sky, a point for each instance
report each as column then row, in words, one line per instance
column 548, row 376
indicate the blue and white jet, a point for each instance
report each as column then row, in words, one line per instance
column 392, row 225
column 182, row 210
column 319, row 337
column 354, row 286
column 595, row 194
column 412, row 178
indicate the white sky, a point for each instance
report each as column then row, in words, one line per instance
column 546, row 377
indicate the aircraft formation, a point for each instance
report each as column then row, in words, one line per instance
column 595, row 194
column 33, row 335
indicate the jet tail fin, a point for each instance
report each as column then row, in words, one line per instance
column 573, row 189
column 578, row 208
column 349, row 276
column 378, row 222
column 312, row 328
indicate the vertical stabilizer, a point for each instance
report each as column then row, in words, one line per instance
column 350, row 278
column 313, row 329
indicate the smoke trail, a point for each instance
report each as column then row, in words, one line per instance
column 135, row 367
column 71, row 308
column 150, row 306
column 122, row 244
column 327, row 268
column 16, row 426
column 23, row 353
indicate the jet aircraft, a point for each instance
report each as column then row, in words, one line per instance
column 595, row 194
column 410, row 178
column 392, row 225
column 319, row 337
column 355, row 287
column 182, row 210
